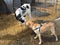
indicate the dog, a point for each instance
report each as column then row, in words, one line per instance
column 21, row 12
column 41, row 28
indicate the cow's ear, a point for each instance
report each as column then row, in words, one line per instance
column 27, row 6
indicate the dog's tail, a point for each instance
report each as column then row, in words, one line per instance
column 57, row 19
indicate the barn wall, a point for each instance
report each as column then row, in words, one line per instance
column 9, row 4
column 13, row 4
column 51, row 1
column 16, row 4
column 48, row 1
column 3, row 7
column 58, row 2
column 32, row 2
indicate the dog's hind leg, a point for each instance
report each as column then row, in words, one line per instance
column 54, row 33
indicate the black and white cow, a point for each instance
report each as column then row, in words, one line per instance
column 21, row 12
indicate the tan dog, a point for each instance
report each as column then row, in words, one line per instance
column 38, row 29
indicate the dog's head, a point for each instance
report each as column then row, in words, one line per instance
column 17, row 12
column 22, row 20
column 25, row 6
column 29, row 23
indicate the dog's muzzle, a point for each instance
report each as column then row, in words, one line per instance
column 17, row 17
column 21, row 20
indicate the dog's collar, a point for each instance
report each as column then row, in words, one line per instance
column 38, row 28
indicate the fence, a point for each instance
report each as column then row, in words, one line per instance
column 45, row 7
column 39, row 7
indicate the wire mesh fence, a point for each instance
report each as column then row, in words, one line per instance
column 39, row 7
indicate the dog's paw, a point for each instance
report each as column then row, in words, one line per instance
column 35, row 37
column 56, row 39
column 40, row 43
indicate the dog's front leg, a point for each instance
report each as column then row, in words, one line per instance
column 35, row 37
column 30, row 15
column 38, row 35
column 40, row 41
column 24, row 13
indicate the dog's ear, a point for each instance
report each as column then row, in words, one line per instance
column 28, row 23
column 27, row 6
column 23, row 8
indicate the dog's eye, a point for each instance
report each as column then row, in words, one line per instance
column 27, row 6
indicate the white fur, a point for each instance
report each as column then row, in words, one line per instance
column 28, row 11
column 57, row 19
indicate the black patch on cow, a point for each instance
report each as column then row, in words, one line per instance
column 27, row 6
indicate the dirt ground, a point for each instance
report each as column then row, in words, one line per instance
column 13, row 33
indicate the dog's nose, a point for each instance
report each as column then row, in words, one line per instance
column 22, row 21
